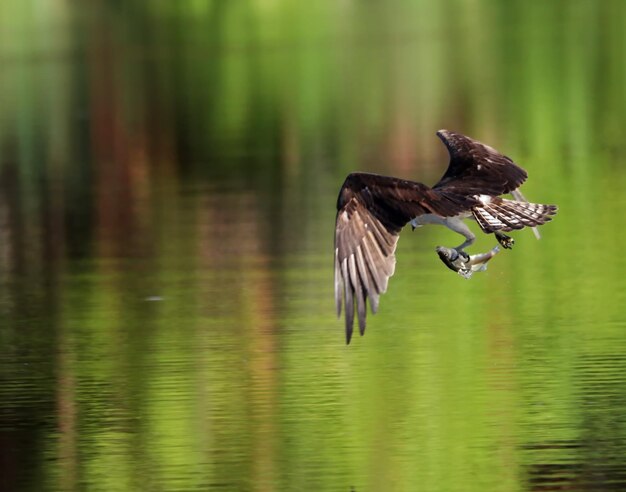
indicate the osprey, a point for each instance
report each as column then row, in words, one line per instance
column 372, row 209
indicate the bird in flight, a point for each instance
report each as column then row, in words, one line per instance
column 372, row 210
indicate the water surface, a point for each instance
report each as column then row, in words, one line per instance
column 168, row 177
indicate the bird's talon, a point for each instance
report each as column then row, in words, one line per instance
column 507, row 242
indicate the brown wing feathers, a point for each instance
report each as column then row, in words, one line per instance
column 372, row 210
column 477, row 169
column 364, row 261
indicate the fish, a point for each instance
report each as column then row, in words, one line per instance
column 462, row 263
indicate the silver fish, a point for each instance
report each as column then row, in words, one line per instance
column 463, row 264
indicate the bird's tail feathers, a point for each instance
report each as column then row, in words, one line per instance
column 500, row 214
column 519, row 196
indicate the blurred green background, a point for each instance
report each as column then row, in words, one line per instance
column 168, row 178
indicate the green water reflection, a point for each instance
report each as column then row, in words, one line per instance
column 168, row 176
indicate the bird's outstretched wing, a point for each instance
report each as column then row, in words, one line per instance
column 371, row 211
column 477, row 169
